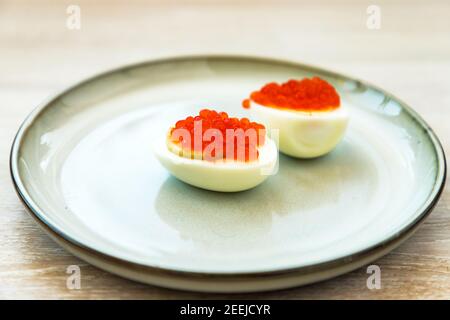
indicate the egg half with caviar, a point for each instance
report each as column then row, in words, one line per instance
column 308, row 114
column 216, row 152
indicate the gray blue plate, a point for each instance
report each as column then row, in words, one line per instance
column 83, row 165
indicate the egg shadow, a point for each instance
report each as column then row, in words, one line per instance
column 299, row 187
column 203, row 215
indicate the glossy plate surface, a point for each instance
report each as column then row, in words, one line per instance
column 83, row 164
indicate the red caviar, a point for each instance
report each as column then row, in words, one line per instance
column 313, row 94
column 235, row 142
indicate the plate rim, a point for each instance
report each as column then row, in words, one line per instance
column 423, row 211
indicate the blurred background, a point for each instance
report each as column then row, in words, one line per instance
column 402, row 46
column 407, row 54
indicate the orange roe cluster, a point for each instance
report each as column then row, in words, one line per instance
column 233, row 139
column 308, row 95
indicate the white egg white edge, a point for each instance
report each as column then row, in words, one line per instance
column 340, row 112
column 268, row 156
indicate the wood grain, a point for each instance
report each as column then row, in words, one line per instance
column 409, row 56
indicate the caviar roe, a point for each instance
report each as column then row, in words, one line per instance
column 308, row 95
column 211, row 119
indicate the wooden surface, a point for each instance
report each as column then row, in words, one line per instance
column 409, row 56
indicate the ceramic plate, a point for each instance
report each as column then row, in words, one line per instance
column 83, row 165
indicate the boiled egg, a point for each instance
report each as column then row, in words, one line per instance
column 216, row 152
column 307, row 114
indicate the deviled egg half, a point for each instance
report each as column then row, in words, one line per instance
column 216, row 152
column 307, row 113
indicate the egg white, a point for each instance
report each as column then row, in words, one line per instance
column 220, row 175
column 303, row 134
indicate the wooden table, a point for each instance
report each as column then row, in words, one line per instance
column 409, row 56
